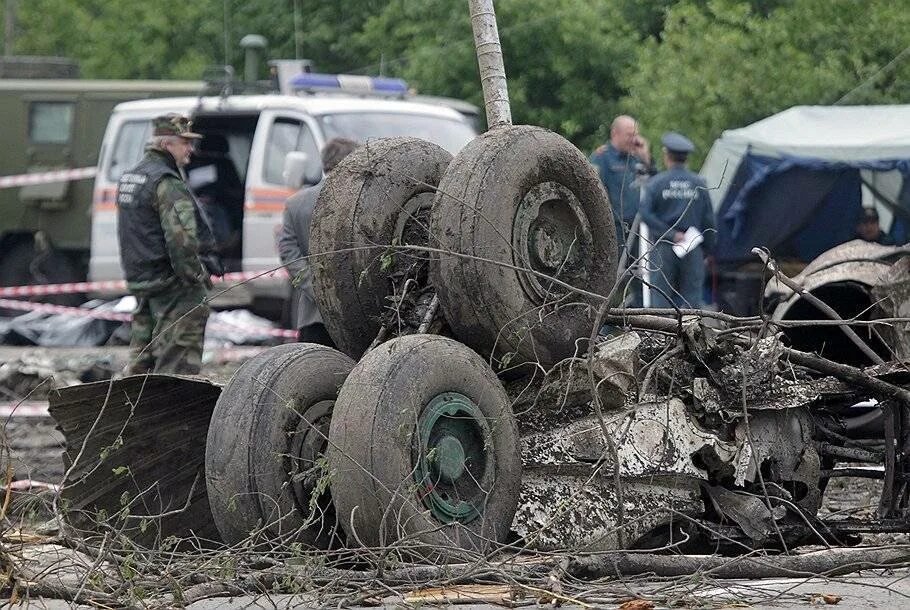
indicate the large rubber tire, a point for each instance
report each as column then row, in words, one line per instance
column 361, row 212
column 268, row 429
column 521, row 197
column 383, row 440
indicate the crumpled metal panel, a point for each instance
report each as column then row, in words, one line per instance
column 568, row 498
column 858, row 260
column 784, row 440
column 656, row 438
column 135, row 449
column 575, row 507
column 882, row 271
column 892, row 296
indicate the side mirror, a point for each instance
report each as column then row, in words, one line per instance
column 301, row 169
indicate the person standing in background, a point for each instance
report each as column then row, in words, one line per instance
column 675, row 206
column 294, row 243
column 167, row 254
column 619, row 164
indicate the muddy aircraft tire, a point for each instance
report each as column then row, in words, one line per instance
column 269, row 428
column 378, row 196
column 424, row 446
column 521, row 197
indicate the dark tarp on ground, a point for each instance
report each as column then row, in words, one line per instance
column 798, row 207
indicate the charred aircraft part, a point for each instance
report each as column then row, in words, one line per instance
column 861, row 281
column 577, row 507
column 135, row 455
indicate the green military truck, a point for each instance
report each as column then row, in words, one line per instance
column 55, row 124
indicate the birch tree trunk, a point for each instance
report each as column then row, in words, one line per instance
column 489, row 60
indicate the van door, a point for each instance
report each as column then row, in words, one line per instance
column 122, row 148
column 278, row 133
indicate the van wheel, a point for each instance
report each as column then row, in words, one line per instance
column 264, row 465
column 377, row 198
column 24, row 265
column 423, row 449
column 521, row 198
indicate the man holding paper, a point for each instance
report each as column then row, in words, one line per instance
column 677, row 210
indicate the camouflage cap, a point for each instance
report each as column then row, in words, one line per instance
column 173, row 124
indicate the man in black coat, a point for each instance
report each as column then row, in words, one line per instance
column 293, row 246
column 674, row 202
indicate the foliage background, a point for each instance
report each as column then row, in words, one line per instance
column 696, row 66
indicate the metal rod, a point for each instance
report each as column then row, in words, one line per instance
column 886, row 503
column 859, row 473
column 489, row 60
column 849, row 453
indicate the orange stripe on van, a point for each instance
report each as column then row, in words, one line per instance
column 104, row 200
column 264, row 206
column 267, row 199
column 264, row 193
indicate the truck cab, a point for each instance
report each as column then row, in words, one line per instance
column 238, row 172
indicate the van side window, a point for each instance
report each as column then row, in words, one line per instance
column 129, row 146
column 285, row 136
column 50, row 122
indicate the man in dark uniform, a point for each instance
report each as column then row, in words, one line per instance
column 294, row 243
column 620, row 163
column 674, row 202
column 167, row 254
column 869, row 229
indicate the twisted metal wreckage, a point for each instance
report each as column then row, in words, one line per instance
column 486, row 410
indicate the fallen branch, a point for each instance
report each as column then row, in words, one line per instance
column 830, row 562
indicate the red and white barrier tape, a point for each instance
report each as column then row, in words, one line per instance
column 24, row 409
column 61, row 175
column 118, row 316
column 120, row 285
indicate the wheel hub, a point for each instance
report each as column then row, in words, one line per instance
column 551, row 234
column 308, row 442
column 452, row 458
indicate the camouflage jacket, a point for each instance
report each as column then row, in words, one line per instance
column 160, row 227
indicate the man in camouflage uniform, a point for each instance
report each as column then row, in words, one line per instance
column 166, row 251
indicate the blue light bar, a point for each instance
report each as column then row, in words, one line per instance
column 349, row 83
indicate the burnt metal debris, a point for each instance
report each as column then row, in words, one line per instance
column 715, row 437
column 684, row 430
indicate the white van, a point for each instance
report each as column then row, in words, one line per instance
column 238, row 170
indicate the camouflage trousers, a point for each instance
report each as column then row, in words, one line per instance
column 167, row 331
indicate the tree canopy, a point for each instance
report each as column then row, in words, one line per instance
column 695, row 66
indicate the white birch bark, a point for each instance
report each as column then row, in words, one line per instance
column 489, row 60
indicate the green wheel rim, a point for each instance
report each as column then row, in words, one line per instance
column 453, row 458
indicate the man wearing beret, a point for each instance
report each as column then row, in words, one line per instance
column 167, row 253
column 677, row 210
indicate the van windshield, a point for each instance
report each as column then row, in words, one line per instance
column 450, row 134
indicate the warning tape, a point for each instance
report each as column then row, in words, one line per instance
column 60, row 175
column 120, row 285
column 119, row 316
column 24, row 409
column 115, row 316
